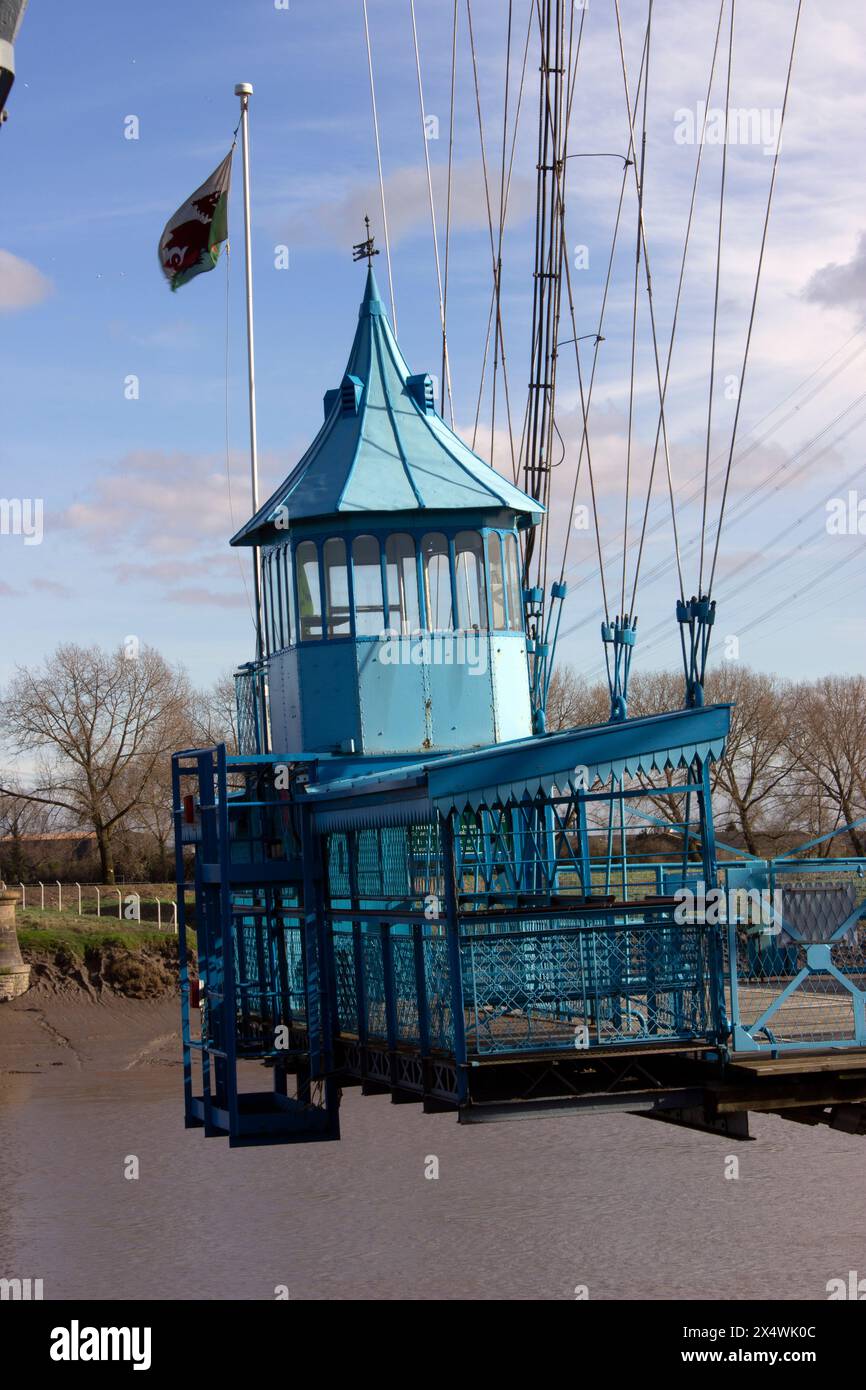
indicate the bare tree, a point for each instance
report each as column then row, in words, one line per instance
column 828, row 736
column 102, row 724
column 572, row 702
column 758, row 757
column 21, row 820
column 213, row 715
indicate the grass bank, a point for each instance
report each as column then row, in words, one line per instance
column 96, row 956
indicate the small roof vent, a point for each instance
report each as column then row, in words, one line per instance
column 350, row 395
column 420, row 388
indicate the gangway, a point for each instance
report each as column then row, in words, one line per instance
column 335, row 947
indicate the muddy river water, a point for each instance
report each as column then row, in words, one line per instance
column 623, row 1206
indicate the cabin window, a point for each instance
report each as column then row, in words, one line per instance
column 367, row 581
column 284, row 558
column 309, row 591
column 271, row 594
column 266, row 598
column 337, row 588
column 437, row 581
column 404, row 614
column 497, row 579
column 469, row 577
column 278, row 595
column 512, row 571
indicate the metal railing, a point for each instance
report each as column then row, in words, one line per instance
column 795, row 973
column 127, row 908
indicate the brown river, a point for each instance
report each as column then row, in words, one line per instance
column 623, row 1206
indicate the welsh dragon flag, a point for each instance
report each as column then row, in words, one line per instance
column 192, row 237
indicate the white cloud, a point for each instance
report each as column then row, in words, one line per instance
column 21, row 284
column 155, row 502
column 841, row 284
column 322, row 217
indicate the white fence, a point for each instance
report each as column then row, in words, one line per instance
column 128, row 906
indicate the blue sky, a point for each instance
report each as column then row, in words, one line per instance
column 137, row 507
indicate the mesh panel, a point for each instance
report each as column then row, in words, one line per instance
column 437, row 975
column 405, row 988
column 347, row 994
column 374, row 985
column 789, row 993
column 560, row 985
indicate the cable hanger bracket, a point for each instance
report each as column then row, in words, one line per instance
column 698, row 615
column 619, row 638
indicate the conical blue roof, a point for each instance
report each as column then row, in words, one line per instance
column 383, row 447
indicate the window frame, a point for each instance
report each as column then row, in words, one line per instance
column 447, row 554
column 383, row 605
column 479, row 596
column 401, row 565
column 312, row 637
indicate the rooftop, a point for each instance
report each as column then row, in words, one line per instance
column 383, row 447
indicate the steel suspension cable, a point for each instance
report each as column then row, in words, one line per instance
column 430, row 198
column 585, row 399
column 497, row 256
column 754, row 499
column 520, row 90
column 553, row 135
column 635, row 294
column 755, row 293
column 716, row 300
column 564, row 61
column 686, row 242
column 379, row 167
column 686, row 498
column 585, row 405
column 648, row 277
column 498, row 336
column 657, row 634
column 448, row 216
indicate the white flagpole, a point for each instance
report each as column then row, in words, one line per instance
column 244, row 91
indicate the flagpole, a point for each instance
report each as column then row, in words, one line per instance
column 244, row 91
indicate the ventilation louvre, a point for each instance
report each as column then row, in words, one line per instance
column 420, row 388
column 350, row 395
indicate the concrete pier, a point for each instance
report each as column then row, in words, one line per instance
column 14, row 974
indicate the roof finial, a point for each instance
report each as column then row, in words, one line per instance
column 365, row 248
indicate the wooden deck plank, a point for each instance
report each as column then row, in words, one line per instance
column 801, row 1063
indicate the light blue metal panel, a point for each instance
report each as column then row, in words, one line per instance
column 284, row 702
column 461, row 690
column 435, row 692
column 428, row 693
column 327, row 691
column 512, row 709
column 392, row 696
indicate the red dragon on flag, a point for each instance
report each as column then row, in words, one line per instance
column 191, row 240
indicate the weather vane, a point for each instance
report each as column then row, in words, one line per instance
column 365, row 248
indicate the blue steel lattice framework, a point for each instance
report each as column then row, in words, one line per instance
column 415, row 893
column 398, row 928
